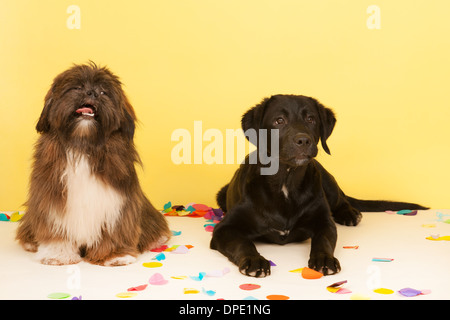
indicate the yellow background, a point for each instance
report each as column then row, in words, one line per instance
column 211, row 60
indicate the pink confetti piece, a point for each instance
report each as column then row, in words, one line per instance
column 157, row 279
column 181, row 250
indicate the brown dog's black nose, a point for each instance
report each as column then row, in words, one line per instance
column 302, row 140
column 92, row 93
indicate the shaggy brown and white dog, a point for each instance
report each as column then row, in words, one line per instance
column 85, row 201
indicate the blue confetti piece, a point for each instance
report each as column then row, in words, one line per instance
column 176, row 233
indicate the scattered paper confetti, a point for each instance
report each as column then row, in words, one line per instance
column 190, row 291
column 249, row 286
column 58, row 295
column 277, row 297
column 407, row 212
column 308, row 273
column 383, row 291
column 208, row 292
column 160, row 256
column 429, row 225
column 4, row 217
column 409, row 292
column 438, row 238
column 382, row 259
column 138, row 288
column 358, row 296
column 126, row 295
column 337, row 288
column 77, row 298
column 176, row 233
column 179, row 277
column 250, row 298
column 299, row 270
column 181, row 250
column 218, row 273
column 272, row 263
column 209, row 228
column 350, row 247
column 157, row 279
column 152, row 264
column 159, row 249
column 200, row 276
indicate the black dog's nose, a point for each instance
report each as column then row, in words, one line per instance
column 92, row 93
column 302, row 140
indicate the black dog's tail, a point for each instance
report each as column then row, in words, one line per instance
column 381, row 205
column 221, row 198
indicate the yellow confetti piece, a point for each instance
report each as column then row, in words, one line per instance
column 16, row 216
column 152, row 264
column 126, row 295
column 358, row 296
column 333, row 289
column 179, row 277
column 446, row 238
column 383, row 291
column 297, row 270
column 429, row 225
column 190, row 291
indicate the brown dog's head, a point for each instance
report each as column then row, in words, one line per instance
column 302, row 122
column 87, row 102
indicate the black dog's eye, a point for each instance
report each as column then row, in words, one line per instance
column 103, row 93
column 310, row 119
column 280, row 121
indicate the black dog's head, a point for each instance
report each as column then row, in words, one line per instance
column 301, row 121
column 87, row 102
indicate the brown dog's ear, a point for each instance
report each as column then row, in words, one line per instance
column 327, row 122
column 252, row 118
column 127, row 123
column 43, row 124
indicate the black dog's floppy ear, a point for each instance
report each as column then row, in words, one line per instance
column 252, row 118
column 43, row 124
column 327, row 122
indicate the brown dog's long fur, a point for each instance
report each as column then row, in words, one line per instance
column 105, row 143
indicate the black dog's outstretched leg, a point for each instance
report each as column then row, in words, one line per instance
column 322, row 257
column 240, row 250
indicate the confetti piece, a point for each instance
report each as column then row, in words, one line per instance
column 208, row 292
column 358, row 296
column 350, row 247
column 126, row 295
column 249, row 298
column 429, row 225
column 160, row 249
column 409, row 292
column 190, row 291
column 438, row 238
column 138, row 288
column 58, row 295
column 209, row 228
column 4, row 217
column 200, row 277
column 152, row 264
column 424, row 292
column 77, row 298
column 272, row 263
column 383, row 291
column 249, row 286
column 407, row 212
column 167, row 207
column 179, row 277
column 297, row 270
column 180, row 250
column 277, row 297
column 308, row 273
column 157, row 279
column 336, row 288
column 16, row 216
column 160, row 256
column 176, row 233
column 382, row 259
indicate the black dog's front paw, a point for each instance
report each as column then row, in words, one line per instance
column 324, row 263
column 254, row 266
column 348, row 216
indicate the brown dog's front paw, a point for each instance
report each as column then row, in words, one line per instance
column 254, row 266
column 324, row 263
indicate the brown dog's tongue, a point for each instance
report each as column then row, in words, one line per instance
column 85, row 110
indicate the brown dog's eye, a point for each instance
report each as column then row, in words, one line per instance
column 310, row 119
column 280, row 121
column 103, row 93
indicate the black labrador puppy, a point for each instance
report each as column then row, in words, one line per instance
column 300, row 201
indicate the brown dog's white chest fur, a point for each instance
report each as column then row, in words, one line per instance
column 91, row 204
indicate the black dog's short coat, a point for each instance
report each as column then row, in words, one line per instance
column 301, row 201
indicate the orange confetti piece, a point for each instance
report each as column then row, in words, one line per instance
column 308, row 273
column 277, row 297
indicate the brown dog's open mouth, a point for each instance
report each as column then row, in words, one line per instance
column 87, row 110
